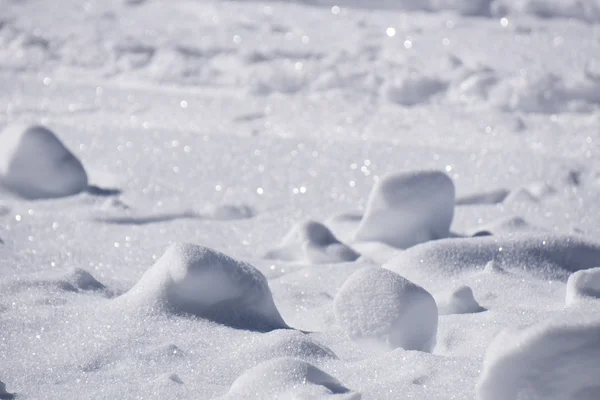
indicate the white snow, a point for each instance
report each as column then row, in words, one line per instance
column 458, row 301
column 409, row 208
column 35, row 164
column 248, row 127
column 196, row 280
column 553, row 360
column 312, row 242
column 583, row 285
column 383, row 310
column 288, row 378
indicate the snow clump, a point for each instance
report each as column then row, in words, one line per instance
column 196, row 280
column 583, row 284
column 35, row 164
column 383, row 310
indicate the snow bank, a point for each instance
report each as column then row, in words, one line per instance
column 552, row 361
column 583, row 284
column 35, row 164
column 196, row 280
column 405, row 209
column 381, row 309
column 288, row 378
column 312, row 242
column 459, row 301
column 545, row 255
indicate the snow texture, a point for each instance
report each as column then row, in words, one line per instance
column 199, row 281
column 288, row 378
column 312, row 242
column 383, row 310
column 557, row 360
column 408, row 208
column 583, row 285
column 35, row 164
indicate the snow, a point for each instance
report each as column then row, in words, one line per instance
column 383, row 310
column 196, row 280
column 552, row 360
column 288, row 378
column 260, row 128
column 406, row 209
column 459, row 301
column 583, row 285
column 312, row 242
column 35, row 164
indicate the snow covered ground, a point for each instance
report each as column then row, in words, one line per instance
column 186, row 203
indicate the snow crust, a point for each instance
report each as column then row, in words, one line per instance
column 384, row 310
column 35, row 164
column 409, row 208
column 552, row 360
column 199, row 281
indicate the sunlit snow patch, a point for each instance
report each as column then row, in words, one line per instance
column 191, row 279
column 382, row 310
column 35, row 164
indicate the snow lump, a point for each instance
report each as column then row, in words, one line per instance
column 557, row 360
column 383, row 310
column 35, row 164
column 583, row 284
column 312, row 242
column 459, row 301
column 288, row 378
column 405, row 209
column 196, row 280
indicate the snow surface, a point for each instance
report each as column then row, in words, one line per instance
column 383, row 310
column 225, row 124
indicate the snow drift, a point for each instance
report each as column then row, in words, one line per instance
column 35, row 164
column 383, row 310
column 196, row 280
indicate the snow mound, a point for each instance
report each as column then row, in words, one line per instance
column 405, row 209
column 312, row 242
column 283, row 343
column 532, row 193
column 459, row 301
column 196, row 280
column 555, row 360
column 288, row 378
column 546, row 255
column 412, row 89
column 383, row 310
column 83, row 280
column 583, row 284
column 35, row 164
